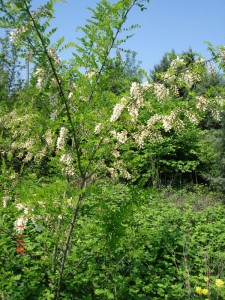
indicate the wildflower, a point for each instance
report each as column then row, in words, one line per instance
column 198, row 290
column 205, row 291
column 201, row 291
column 219, row 283
column 20, row 224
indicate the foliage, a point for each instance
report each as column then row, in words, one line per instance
column 129, row 243
column 75, row 143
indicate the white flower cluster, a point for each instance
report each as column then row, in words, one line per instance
column 216, row 114
column 193, row 117
column 188, row 78
column 98, row 128
column 160, row 91
column 133, row 112
column 90, row 74
column 117, row 111
column 41, row 12
column 62, row 138
column 220, row 101
column 120, row 136
column 136, row 97
column 212, row 70
column 23, row 207
column 153, row 119
column 140, row 136
column 34, row 219
column 202, row 103
column 20, row 224
column 16, row 33
column 136, row 93
column 172, row 121
column 42, row 153
column 113, row 173
column 177, row 62
column 67, row 160
column 49, row 137
column 146, row 86
column 222, row 53
column 41, row 79
column 52, row 53
column 5, row 199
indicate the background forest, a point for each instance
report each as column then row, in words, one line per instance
column 112, row 179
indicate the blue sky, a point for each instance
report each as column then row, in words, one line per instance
column 165, row 25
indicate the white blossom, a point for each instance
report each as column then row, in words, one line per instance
column 160, row 91
column 192, row 117
column 98, row 128
column 216, row 114
column 61, row 139
column 154, row 119
column 177, row 62
column 188, row 78
column 202, row 103
column 15, row 34
column 70, row 96
column 116, row 153
column 90, row 74
column 113, row 173
column 52, row 53
column 220, row 100
column 23, row 207
column 49, row 137
column 146, row 86
column 140, row 137
column 20, row 224
column 117, row 111
column 133, row 112
column 222, row 53
column 5, row 199
column 120, row 136
column 66, row 159
column 20, row 206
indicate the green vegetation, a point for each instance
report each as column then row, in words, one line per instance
column 112, row 181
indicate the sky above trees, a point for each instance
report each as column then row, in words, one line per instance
column 165, row 25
